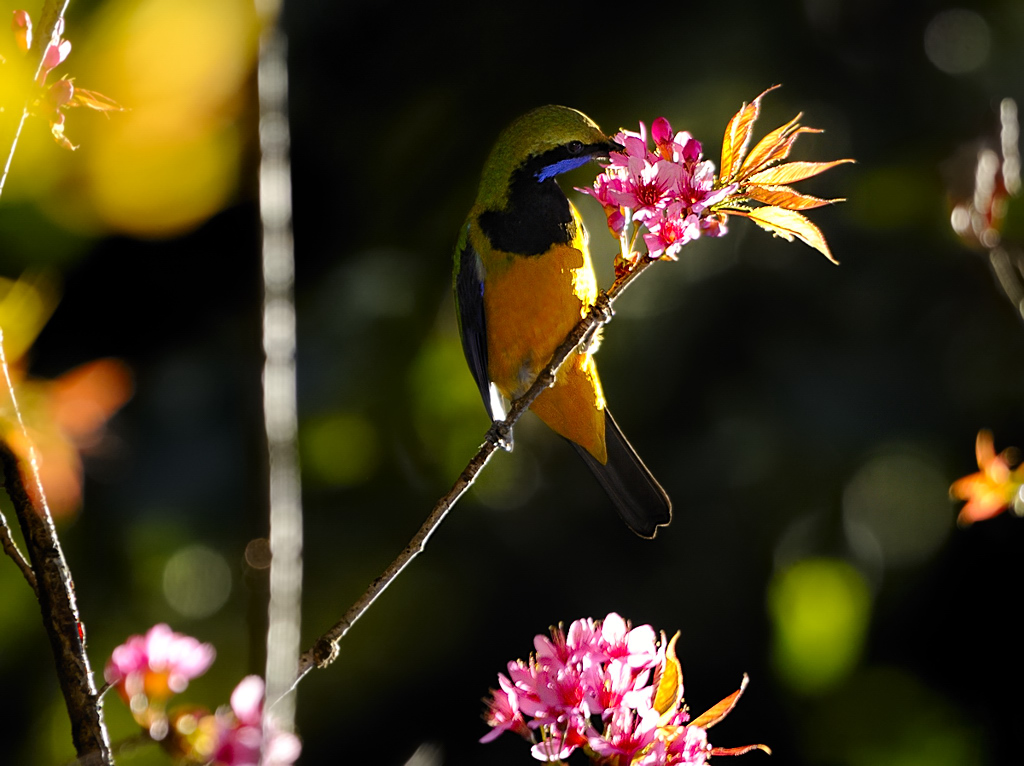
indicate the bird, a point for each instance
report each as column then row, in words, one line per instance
column 523, row 279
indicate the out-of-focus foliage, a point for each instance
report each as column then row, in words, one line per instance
column 48, row 423
column 820, row 610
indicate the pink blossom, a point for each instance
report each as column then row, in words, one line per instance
column 637, row 647
column 55, row 53
column 241, row 733
column 648, row 187
column 627, row 735
column 690, row 747
column 604, row 186
column 159, row 664
column 503, row 711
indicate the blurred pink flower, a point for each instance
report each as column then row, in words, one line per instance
column 241, row 733
column 158, row 665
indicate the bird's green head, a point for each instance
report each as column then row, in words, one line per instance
column 540, row 145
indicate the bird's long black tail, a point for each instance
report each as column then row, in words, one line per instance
column 637, row 495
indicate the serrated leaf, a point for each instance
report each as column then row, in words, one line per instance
column 788, row 224
column 774, row 147
column 740, row 750
column 93, row 100
column 737, row 136
column 792, row 172
column 722, row 709
column 669, row 683
column 783, row 196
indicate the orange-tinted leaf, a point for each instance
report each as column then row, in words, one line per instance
column 669, row 683
column 84, row 398
column 737, row 136
column 57, row 131
column 788, row 224
column 792, row 172
column 722, row 709
column 739, row 750
column 783, row 196
column 774, row 147
column 93, row 100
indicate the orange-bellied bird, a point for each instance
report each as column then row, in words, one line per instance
column 523, row 280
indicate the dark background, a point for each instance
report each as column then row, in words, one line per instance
column 767, row 390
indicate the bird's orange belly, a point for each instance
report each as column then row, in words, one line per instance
column 531, row 304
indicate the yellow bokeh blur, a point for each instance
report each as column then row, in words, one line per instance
column 820, row 610
column 182, row 70
column 181, row 67
column 340, row 449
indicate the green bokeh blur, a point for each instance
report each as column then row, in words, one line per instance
column 806, row 419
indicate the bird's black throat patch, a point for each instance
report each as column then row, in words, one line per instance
column 537, row 214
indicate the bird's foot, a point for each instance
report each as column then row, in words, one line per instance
column 500, row 435
column 603, row 307
column 603, row 311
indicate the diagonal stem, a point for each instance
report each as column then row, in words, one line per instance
column 325, row 650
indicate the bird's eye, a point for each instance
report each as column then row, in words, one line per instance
column 574, row 147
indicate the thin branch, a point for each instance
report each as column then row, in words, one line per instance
column 325, row 650
column 11, row 549
column 55, row 591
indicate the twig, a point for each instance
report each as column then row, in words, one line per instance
column 53, row 11
column 12, row 550
column 55, row 591
column 325, row 650
column 6, row 540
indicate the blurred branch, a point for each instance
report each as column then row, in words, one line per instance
column 55, row 591
column 325, row 650
column 53, row 11
column 978, row 217
column 280, row 407
column 1008, row 266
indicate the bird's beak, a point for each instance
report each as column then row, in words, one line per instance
column 605, row 149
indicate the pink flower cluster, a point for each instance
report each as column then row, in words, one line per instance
column 603, row 688
column 148, row 670
column 159, row 664
column 669, row 190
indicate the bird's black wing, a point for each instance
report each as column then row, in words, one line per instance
column 469, row 297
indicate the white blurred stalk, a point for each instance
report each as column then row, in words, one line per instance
column 279, row 388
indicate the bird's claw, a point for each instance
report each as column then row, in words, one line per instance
column 500, row 435
column 603, row 307
column 602, row 310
